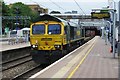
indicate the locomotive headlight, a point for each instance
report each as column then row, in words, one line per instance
column 34, row 46
column 57, row 46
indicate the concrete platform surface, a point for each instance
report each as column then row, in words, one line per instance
column 4, row 46
column 91, row 60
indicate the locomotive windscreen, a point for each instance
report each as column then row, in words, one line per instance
column 38, row 29
column 54, row 29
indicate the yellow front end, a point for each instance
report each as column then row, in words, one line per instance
column 48, row 40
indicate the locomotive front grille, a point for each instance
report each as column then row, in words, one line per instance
column 46, row 48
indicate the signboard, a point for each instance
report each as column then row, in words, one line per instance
column 104, row 11
column 100, row 15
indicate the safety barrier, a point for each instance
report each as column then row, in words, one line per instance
column 15, row 40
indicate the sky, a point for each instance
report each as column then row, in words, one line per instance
column 83, row 6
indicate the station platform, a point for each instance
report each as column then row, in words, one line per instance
column 91, row 60
column 4, row 46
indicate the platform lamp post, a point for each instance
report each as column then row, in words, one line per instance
column 119, row 42
column 119, row 34
column 1, row 19
column 1, row 45
column 110, row 24
column 1, row 37
column 17, row 12
column 1, row 26
column 103, row 29
column 114, row 23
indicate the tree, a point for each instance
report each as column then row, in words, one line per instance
column 20, row 9
column 23, row 9
column 17, row 9
column 5, row 12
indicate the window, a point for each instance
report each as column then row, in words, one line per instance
column 38, row 29
column 13, row 33
column 54, row 29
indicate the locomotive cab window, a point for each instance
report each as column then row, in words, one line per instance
column 38, row 29
column 54, row 29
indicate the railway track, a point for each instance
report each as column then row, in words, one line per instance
column 28, row 73
column 22, row 67
column 15, row 62
column 16, row 66
column 11, row 73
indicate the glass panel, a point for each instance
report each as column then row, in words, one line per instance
column 13, row 33
column 54, row 29
column 38, row 29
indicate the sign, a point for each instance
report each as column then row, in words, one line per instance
column 100, row 15
column 104, row 11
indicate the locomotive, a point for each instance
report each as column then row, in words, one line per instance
column 52, row 38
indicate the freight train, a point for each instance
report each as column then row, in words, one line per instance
column 52, row 38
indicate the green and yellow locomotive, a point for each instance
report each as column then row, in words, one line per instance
column 52, row 37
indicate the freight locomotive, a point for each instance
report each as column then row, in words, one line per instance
column 52, row 38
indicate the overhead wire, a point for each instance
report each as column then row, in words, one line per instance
column 57, row 5
column 79, row 7
column 41, row 4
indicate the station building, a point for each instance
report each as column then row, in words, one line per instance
column 38, row 8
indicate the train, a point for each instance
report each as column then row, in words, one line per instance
column 19, row 36
column 19, row 33
column 52, row 37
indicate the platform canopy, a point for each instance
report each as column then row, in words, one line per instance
column 25, row 29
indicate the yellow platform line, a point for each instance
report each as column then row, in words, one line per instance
column 72, row 73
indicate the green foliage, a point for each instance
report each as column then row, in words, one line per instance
column 0, row 8
column 24, row 10
column 5, row 10
column 34, row 16
column 18, row 9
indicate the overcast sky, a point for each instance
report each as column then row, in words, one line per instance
column 68, row 5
